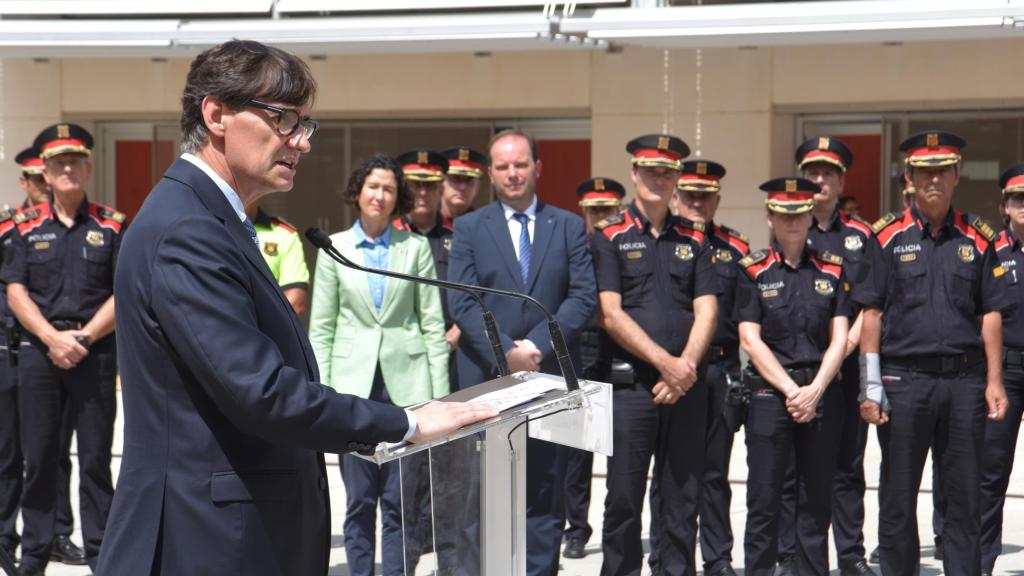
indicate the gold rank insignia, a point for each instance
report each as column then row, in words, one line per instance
column 933, row 140
column 94, row 238
column 966, row 252
column 998, row 271
column 824, row 287
column 684, row 252
column 702, row 168
column 853, row 242
column 598, row 183
column 446, row 243
column 63, row 131
column 823, row 143
column 270, row 248
column 662, row 142
column 725, row 255
column 422, row 157
column 463, row 155
column 790, row 185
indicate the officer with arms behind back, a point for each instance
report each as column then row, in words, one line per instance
column 931, row 356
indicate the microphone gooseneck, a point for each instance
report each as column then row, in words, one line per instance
column 321, row 240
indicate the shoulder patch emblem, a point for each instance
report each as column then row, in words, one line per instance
column 883, row 222
column 983, row 228
column 616, row 219
column 754, row 258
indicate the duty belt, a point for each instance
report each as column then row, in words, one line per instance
column 935, row 364
column 1012, row 357
column 66, row 324
column 720, row 353
column 802, row 376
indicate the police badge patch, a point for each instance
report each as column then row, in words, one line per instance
column 270, row 248
column 725, row 255
column 684, row 252
column 853, row 242
column 94, row 238
column 966, row 252
column 446, row 243
column 824, row 287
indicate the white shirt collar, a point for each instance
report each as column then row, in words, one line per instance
column 531, row 210
column 233, row 198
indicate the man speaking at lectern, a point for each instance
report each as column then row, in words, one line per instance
column 225, row 420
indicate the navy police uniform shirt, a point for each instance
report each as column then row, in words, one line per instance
column 69, row 272
column 658, row 278
column 7, row 232
column 729, row 248
column 1010, row 252
column 440, row 239
column 794, row 306
column 847, row 237
column 932, row 291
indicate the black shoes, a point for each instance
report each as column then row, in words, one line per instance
column 575, row 548
column 727, row 571
column 65, row 551
column 859, row 568
column 786, row 567
column 938, row 548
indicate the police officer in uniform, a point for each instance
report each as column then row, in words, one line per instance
column 599, row 198
column 281, row 247
column 657, row 294
column 792, row 308
column 462, row 182
column 825, row 161
column 1001, row 435
column 932, row 356
column 59, row 273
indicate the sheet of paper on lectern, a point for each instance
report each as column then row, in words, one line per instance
column 519, row 394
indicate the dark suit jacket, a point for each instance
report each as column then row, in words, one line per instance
column 561, row 277
column 224, row 419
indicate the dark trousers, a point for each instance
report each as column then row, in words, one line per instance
column 997, row 463
column 674, row 436
column 716, row 539
column 393, row 485
column 773, row 440
column 947, row 413
column 44, row 394
column 578, row 471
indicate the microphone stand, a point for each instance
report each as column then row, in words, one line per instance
column 321, row 240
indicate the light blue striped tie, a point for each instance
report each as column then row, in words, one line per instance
column 525, row 247
column 252, row 231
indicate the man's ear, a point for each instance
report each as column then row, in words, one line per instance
column 213, row 116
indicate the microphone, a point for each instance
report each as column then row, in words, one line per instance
column 321, row 240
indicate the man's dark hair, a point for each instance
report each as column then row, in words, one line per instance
column 512, row 132
column 404, row 202
column 235, row 72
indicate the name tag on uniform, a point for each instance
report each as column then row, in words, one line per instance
column 769, row 293
column 634, row 254
column 41, row 245
column 908, row 257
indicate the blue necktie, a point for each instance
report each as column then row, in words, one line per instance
column 525, row 247
column 252, row 231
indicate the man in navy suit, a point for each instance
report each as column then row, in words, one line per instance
column 225, row 420
column 520, row 244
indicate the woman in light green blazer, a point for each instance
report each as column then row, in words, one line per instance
column 383, row 339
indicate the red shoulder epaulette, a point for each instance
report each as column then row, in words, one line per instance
column 283, row 224
column 757, row 262
column 615, row 225
column 7, row 220
column 1002, row 241
column 400, row 224
column 30, row 218
column 975, row 228
column 690, row 229
column 887, row 228
column 857, row 223
column 734, row 238
column 106, row 217
column 828, row 263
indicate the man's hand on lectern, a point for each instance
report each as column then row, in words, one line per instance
column 437, row 419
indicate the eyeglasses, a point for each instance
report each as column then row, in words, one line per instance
column 288, row 119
